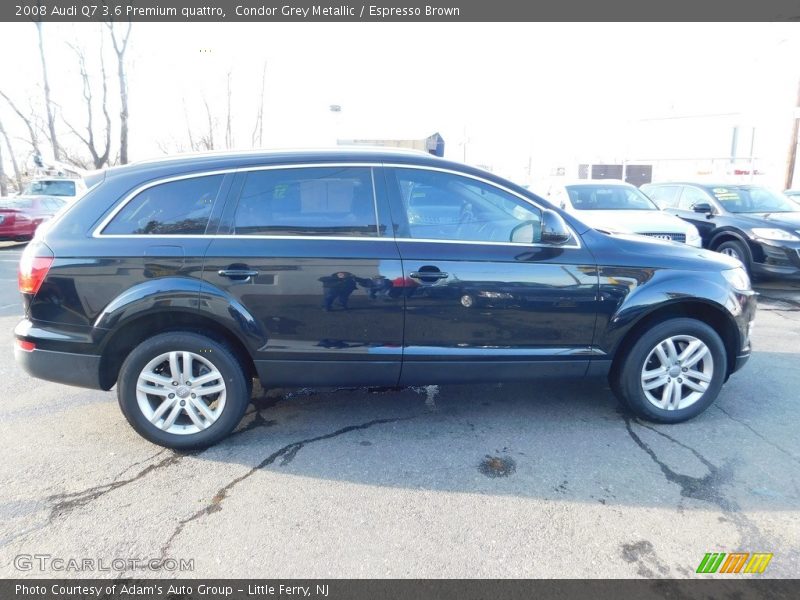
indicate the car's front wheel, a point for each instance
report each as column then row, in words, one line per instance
column 182, row 390
column 673, row 372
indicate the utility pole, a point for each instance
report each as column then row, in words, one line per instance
column 792, row 159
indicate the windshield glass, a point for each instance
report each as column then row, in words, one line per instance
column 608, row 197
column 57, row 187
column 752, row 199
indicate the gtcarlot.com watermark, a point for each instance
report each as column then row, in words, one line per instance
column 48, row 562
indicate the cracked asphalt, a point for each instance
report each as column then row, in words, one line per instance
column 548, row 479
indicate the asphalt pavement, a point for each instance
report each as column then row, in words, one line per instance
column 549, row 479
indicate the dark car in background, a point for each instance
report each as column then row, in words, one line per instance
column 750, row 223
column 180, row 281
column 20, row 216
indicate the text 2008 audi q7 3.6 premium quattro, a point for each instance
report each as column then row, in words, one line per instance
column 181, row 280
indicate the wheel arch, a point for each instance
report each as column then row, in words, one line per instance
column 704, row 311
column 729, row 235
column 118, row 345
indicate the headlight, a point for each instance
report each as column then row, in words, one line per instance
column 693, row 238
column 775, row 234
column 737, row 278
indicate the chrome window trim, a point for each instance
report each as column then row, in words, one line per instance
column 104, row 223
column 97, row 232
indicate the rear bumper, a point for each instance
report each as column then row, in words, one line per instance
column 62, row 354
column 82, row 370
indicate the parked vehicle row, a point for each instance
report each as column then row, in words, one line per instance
column 618, row 206
column 180, row 281
column 750, row 223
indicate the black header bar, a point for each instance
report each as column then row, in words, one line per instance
column 398, row 11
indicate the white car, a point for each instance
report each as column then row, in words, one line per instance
column 620, row 207
column 62, row 187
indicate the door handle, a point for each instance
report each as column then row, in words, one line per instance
column 242, row 274
column 429, row 275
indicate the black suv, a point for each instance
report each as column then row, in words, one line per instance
column 747, row 222
column 182, row 280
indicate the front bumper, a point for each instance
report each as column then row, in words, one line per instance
column 775, row 258
column 742, row 306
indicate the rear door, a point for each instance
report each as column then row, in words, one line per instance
column 306, row 259
column 479, row 304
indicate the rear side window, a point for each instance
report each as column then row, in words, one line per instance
column 307, row 201
column 665, row 196
column 174, row 207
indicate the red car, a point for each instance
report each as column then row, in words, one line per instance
column 21, row 215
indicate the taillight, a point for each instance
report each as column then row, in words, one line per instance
column 33, row 267
column 26, row 345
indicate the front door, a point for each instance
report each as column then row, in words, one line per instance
column 307, row 257
column 485, row 299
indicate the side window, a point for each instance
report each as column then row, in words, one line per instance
column 307, row 201
column 445, row 206
column 174, row 207
column 665, row 196
column 691, row 196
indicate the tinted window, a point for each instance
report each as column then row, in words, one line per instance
column 175, row 207
column 445, row 206
column 608, row 197
column 307, row 201
column 691, row 196
column 665, row 196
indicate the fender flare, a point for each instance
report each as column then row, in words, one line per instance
column 184, row 295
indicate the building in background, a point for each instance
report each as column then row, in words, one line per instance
column 432, row 144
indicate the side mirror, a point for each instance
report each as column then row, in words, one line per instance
column 554, row 229
column 703, row 207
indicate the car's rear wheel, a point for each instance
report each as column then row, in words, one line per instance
column 182, row 390
column 673, row 372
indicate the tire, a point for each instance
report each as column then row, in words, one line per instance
column 700, row 381
column 736, row 250
column 225, row 401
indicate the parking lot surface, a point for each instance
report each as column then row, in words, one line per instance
column 548, row 479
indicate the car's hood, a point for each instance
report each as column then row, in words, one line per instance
column 787, row 219
column 643, row 247
column 634, row 221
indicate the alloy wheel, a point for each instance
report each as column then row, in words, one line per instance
column 677, row 372
column 181, row 392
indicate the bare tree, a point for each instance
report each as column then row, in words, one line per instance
column 791, row 160
column 258, row 129
column 14, row 164
column 228, row 132
column 34, row 137
column 207, row 141
column 51, row 118
column 120, row 46
column 99, row 156
column 3, row 185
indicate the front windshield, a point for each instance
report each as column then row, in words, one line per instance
column 752, row 199
column 608, row 197
column 56, row 187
